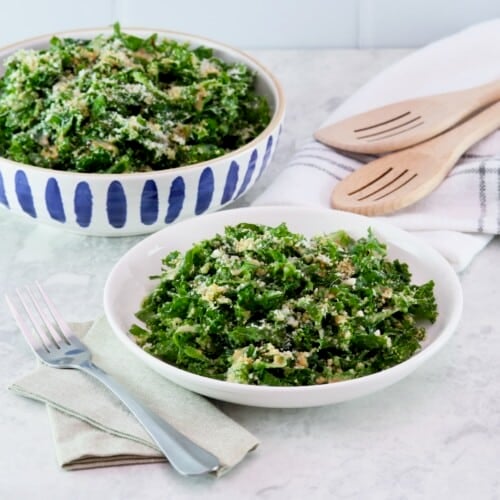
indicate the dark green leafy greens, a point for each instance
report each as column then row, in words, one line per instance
column 123, row 104
column 264, row 305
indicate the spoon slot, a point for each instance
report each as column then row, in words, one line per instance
column 368, row 127
column 398, row 187
column 370, row 183
column 398, row 131
column 387, row 188
column 397, row 127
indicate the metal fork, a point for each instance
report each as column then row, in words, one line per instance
column 52, row 340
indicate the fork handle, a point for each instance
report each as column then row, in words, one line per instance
column 185, row 456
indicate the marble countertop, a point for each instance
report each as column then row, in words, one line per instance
column 436, row 434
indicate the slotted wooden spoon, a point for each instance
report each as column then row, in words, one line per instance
column 402, row 178
column 403, row 124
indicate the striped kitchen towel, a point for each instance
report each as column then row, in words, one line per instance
column 462, row 215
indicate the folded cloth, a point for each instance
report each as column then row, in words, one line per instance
column 92, row 428
column 461, row 216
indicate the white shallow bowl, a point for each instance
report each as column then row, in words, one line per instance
column 143, row 202
column 128, row 283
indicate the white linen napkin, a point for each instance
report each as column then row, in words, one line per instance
column 92, row 428
column 461, row 216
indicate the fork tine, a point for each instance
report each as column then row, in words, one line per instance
column 40, row 325
column 34, row 340
column 59, row 320
column 47, row 323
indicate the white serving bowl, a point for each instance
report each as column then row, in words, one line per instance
column 139, row 203
column 129, row 282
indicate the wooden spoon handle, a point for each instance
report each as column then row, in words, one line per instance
column 457, row 140
column 485, row 94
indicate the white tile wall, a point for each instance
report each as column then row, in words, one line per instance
column 258, row 23
column 21, row 19
column 413, row 23
column 252, row 23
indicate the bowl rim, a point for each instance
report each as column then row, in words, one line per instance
column 275, row 86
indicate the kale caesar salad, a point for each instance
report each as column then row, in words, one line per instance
column 263, row 305
column 122, row 103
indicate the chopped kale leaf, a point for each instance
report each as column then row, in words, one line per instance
column 264, row 305
column 124, row 104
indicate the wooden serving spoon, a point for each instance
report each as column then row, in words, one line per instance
column 403, row 124
column 402, row 178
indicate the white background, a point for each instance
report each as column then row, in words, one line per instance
column 259, row 23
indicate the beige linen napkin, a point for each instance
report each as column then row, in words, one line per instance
column 461, row 216
column 92, row 428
